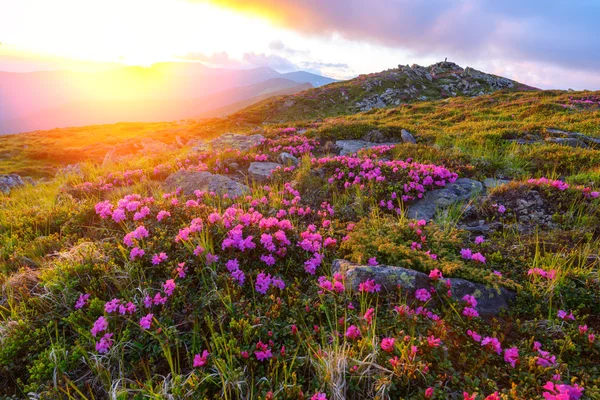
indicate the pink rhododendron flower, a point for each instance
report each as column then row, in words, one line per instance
column 135, row 253
column 511, row 356
column 429, row 393
column 372, row 261
column 562, row 314
column 82, row 301
column 432, row 341
column 162, row 215
column 201, row 360
column 387, row 344
column 562, row 392
column 112, row 306
column 146, row 321
column 422, row 294
column 470, row 312
column 100, row 325
column 470, row 300
column 492, row 343
column 263, row 352
column 369, row 286
column 353, row 332
column 104, row 344
column 436, row 274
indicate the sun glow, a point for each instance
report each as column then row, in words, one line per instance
column 138, row 32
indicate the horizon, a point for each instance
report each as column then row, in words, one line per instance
column 336, row 39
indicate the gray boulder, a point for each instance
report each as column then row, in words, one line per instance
column 189, row 181
column 491, row 183
column 287, row 159
column 490, row 300
column 227, row 141
column 262, row 170
column 348, row 147
column 407, row 137
column 568, row 141
column 589, row 140
column 7, row 182
column 435, row 200
column 151, row 146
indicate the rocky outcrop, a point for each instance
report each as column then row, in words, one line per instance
column 229, row 141
column 491, row 183
column 287, row 159
column 578, row 137
column 190, row 181
column 262, row 170
column 7, row 182
column 407, row 137
column 560, row 137
column 490, row 300
column 435, row 200
column 348, row 147
column 151, row 146
column 443, row 79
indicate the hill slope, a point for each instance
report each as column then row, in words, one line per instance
column 459, row 261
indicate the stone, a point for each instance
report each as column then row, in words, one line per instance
column 569, row 141
column 71, row 169
column 348, row 147
column 407, row 137
column 262, row 170
column 491, row 183
column 236, row 142
column 189, row 181
column 151, row 146
column 376, row 136
column 435, row 200
column 7, row 182
column 490, row 300
column 287, row 159
column 591, row 141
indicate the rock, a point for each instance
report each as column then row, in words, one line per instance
column 71, row 169
column 407, row 137
column 571, row 142
column 287, row 159
column 189, row 181
column 352, row 146
column 151, row 146
column 590, row 141
column 435, row 200
column 7, row 182
column 490, row 301
column 236, row 142
column 388, row 277
column 491, row 183
column 262, row 170
column 376, row 136
column 180, row 141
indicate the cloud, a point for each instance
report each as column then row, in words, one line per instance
column 220, row 58
column 277, row 46
column 274, row 61
column 552, row 31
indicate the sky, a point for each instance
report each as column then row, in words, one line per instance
column 547, row 44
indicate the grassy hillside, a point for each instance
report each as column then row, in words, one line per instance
column 114, row 284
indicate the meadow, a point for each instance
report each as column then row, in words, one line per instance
column 117, row 285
